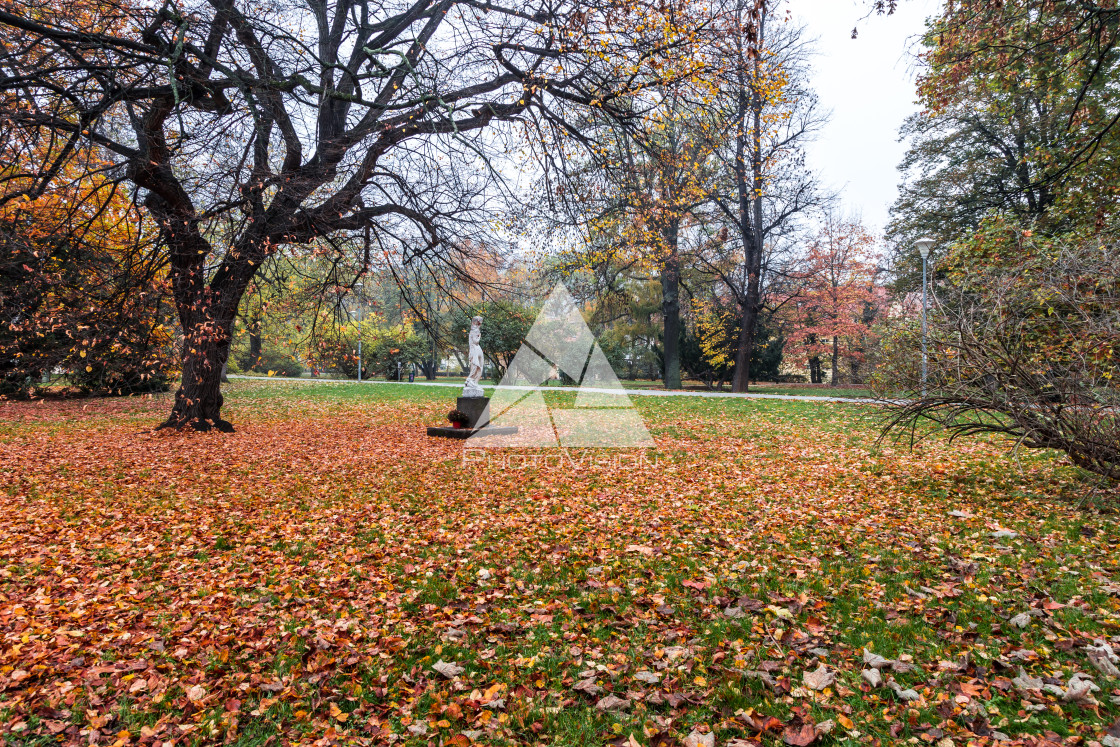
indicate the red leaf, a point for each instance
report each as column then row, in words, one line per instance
column 800, row 736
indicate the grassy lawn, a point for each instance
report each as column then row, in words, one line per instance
column 811, row 390
column 801, row 390
column 299, row 579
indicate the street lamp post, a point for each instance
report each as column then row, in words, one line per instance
column 923, row 249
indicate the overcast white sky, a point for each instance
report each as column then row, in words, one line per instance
column 868, row 84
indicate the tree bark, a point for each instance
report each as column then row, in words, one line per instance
column 206, row 309
column 835, row 361
column 432, row 368
column 198, row 403
column 206, row 314
column 671, row 307
column 741, row 380
column 815, row 375
column 254, row 342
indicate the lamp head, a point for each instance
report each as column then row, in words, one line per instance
column 924, row 246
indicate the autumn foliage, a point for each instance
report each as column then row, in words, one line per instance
column 78, row 290
column 837, row 301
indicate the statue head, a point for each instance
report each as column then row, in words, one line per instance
column 476, row 322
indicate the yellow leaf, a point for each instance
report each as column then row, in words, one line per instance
column 781, row 612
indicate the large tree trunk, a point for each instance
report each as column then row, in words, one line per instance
column 748, row 320
column 752, row 303
column 206, row 310
column 198, row 403
column 206, row 313
column 815, row 374
column 671, row 306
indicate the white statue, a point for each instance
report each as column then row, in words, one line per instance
column 471, row 387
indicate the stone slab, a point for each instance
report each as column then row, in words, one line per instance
column 441, row 431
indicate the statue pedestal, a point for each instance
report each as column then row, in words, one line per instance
column 477, row 410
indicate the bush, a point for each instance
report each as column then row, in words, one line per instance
column 340, row 354
column 76, row 305
column 276, row 361
column 709, row 353
column 1023, row 341
column 393, row 346
column 78, row 289
column 139, row 359
column 382, row 349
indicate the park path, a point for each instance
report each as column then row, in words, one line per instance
column 632, row 392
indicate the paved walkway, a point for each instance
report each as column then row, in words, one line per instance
column 632, row 392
